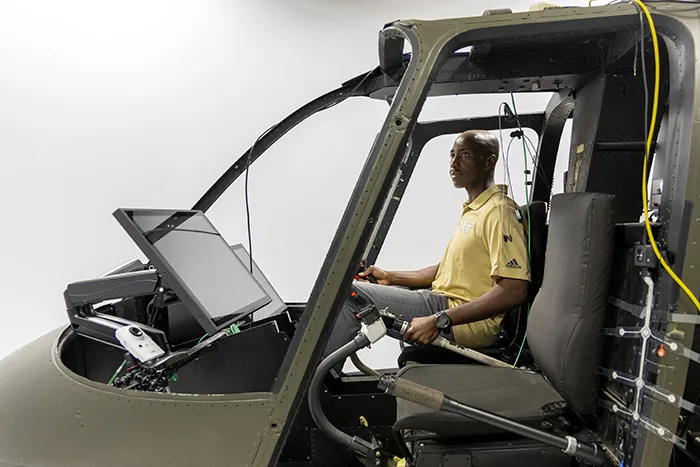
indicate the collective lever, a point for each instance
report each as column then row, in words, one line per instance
column 437, row 400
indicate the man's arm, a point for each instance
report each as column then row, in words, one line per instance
column 509, row 270
column 505, row 295
column 422, row 278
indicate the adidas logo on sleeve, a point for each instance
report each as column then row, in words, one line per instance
column 513, row 264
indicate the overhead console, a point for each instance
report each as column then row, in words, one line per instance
column 206, row 287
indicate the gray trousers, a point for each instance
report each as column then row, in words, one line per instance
column 399, row 301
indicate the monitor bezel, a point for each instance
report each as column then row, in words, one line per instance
column 282, row 305
column 173, row 279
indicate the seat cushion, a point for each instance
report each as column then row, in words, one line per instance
column 520, row 395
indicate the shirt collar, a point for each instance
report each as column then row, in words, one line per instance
column 485, row 196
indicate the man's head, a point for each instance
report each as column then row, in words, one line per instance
column 473, row 158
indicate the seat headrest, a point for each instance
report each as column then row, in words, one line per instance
column 569, row 310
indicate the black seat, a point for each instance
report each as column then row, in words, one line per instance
column 514, row 321
column 497, row 390
column 562, row 333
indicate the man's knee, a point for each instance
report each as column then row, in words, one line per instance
column 365, row 291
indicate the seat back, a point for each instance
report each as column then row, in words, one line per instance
column 569, row 309
column 515, row 321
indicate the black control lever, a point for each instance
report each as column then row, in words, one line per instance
column 363, row 267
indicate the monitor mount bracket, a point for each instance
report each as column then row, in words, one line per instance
column 80, row 298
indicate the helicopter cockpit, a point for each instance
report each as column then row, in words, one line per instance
column 173, row 312
column 586, row 372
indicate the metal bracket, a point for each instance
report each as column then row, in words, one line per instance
column 659, row 316
column 635, row 310
column 644, row 257
column 647, row 424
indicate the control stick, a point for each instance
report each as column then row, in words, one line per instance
column 400, row 326
column 363, row 267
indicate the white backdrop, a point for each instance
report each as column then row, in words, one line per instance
column 145, row 103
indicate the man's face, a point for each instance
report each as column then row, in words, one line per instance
column 467, row 166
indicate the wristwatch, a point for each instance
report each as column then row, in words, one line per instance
column 442, row 320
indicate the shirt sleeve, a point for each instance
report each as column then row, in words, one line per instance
column 504, row 235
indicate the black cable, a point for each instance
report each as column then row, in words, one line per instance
column 247, row 204
column 507, row 166
column 249, row 156
column 535, row 160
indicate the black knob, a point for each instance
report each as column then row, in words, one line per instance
column 135, row 331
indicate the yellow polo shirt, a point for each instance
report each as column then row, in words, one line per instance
column 488, row 244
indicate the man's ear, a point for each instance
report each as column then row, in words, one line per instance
column 490, row 162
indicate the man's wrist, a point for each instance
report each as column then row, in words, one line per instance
column 453, row 319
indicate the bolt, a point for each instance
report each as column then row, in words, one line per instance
column 161, row 290
column 615, row 408
column 622, row 332
column 377, row 454
column 672, row 399
column 674, row 346
column 639, row 383
column 645, row 332
column 661, row 431
column 614, row 374
column 635, row 416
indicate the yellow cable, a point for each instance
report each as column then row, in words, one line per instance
column 657, row 62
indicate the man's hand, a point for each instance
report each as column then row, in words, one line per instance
column 381, row 275
column 422, row 330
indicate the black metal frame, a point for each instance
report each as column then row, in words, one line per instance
column 354, row 87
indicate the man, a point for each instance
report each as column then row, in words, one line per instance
column 483, row 273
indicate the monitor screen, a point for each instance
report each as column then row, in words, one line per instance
column 197, row 263
column 277, row 304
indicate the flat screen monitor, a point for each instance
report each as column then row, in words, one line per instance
column 197, row 263
column 277, row 305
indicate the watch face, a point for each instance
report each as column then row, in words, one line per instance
column 443, row 321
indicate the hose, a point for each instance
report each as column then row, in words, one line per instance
column 353, row 443
column 360, row 365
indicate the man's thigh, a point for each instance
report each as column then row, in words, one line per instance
column 404, row 302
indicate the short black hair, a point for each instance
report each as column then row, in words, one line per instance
column 483, row 141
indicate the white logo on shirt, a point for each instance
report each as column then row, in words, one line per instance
column 467, row 226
